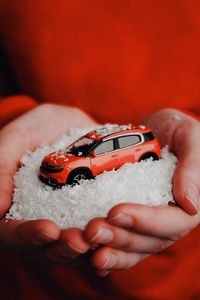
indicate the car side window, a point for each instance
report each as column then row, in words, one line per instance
column 148, row 136
column 129, row 140
column 104, row 147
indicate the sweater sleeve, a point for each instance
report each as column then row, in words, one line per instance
column 14, row 106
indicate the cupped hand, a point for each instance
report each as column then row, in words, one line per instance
column 132, row 232
column 40, row 241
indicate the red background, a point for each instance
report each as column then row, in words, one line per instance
column 117, row 60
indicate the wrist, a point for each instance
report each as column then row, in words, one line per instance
column 14, row 106
column 76, row 118
column 82, row 118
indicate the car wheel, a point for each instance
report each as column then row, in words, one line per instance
column 146, row 156
column 77, row 176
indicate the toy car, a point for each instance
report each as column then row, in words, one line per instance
column 100, row 150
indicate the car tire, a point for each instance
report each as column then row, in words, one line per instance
column 75, row 177
column 146, row 156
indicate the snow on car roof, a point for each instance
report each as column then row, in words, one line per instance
column 110, row 129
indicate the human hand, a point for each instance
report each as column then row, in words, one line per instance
column 132, row 232
column 43, row 124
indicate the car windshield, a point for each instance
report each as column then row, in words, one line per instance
column 81, row 147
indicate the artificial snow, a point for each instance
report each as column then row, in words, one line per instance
column 148, row 182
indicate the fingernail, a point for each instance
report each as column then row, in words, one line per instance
column 110, row 262
column 121, row 219
column 67, row 246
column 43, row 238
column 103, row 273
column 94, row 246
column 104, row 235
column 192, row 195
column 64, row 248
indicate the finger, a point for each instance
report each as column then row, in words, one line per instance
column 26, row 235
column 8, row 165
column 101, row 232
column 163, row 222
column 108, row 258
column 186, row 183
column 70, row 245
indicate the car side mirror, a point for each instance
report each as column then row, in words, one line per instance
column 93, row 154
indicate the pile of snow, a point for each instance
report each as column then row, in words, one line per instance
column 148, row 182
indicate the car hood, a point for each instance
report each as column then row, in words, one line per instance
column 60, row 157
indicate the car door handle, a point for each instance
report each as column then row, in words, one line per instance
column 114, row 155
column 138, row 149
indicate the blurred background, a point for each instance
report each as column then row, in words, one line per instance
column 102, row 56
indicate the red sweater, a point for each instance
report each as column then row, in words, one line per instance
column 117, row 60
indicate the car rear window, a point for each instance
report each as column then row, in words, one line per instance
column 129, row 140
column 104, row 147
column 148, row 136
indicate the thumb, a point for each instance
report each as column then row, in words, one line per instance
column 186, row 180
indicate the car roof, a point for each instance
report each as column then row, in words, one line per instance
column 115, row 130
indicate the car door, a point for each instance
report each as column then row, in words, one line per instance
column 129, row 148
column 104, row 157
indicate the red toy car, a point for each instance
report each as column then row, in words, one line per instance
column 101, row 150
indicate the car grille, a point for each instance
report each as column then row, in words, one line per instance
column 50, row 169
